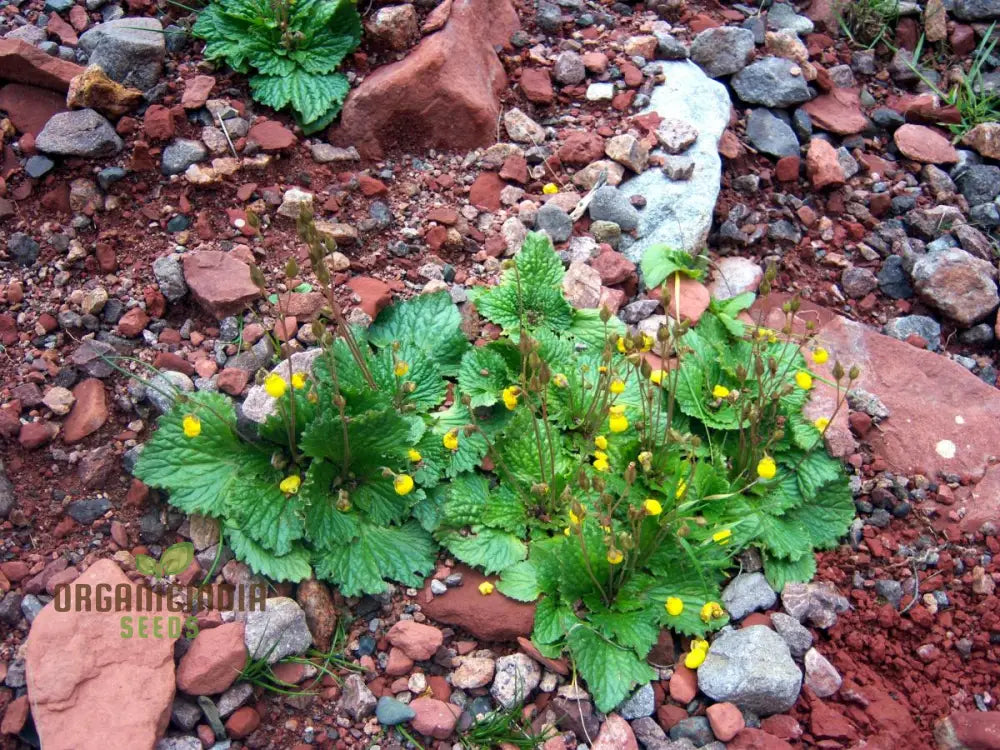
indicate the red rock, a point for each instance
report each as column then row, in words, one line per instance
column 131, row 323
column 371, row 187
column 219, row 282
column 104, row 690
column 197, row 91
column 683, row 684
column 23, row 63
column 730, row 146
column 632, row 75
column 89, row 413
column 787, row 168
column 756, row 739
column 969, row 730
column 158, row 123
column 537, row 85
column 962, row 39
column 485, row 191
column 137, row 494
column 782, row 726
column 924, row 144
column 443, row 94
column 692, row 298
column 399, row 663
column 726, row 720
column 375, row 295
column 985, row 501
column 233, row 380
column 15, row 570
column 61, row 29
column 826, row 721
column 839, row 112
column 271, row 135
column 515, row 168
column 419, row 642
column 243, row 722
column 580, row 148
column 612, row 299
column 615, row 734
column 613, row 267
column 36, row 434
column 156, row 303
column 822, row 166
column 213, row 661
column 78, row 17
column 434, row 718
column 15, row 717
column 595, row 62
column 30, row 107
column 669, row 715
column 488, row 618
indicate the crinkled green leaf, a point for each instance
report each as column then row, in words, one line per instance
column 553, row 619
column 429, row 321
column 826, row 514
column 264, row 513
column 374, row 439
column 483, row 375
column 588, row 327
column 311, row 95
column 378, row 500
column 520, row 582
column 293, row 566
column 491, row 550
column 611, row 671
column 399, row 553
column 780, row 571
column 326, row 527
column 636, row 630
column 661, row 261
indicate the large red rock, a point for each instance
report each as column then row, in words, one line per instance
column 838, row 112
column 30, row 107
column 969, row 730
column 214, row 660
column 220, row 282
column 89, row 687
column 444, row 94
column 493, row 617
column 434, row 718
column 418, row 641
column 374, row 295
column 90, row 411
column 924, row 144
column 22, row 63
column 823, row 166
column 615, row 734
column 581, row 147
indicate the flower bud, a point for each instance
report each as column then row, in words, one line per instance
column 291, row 269
column 257, row 276
column 854, row 373
column 605, row 314
column 630, row 473
column 838, row 370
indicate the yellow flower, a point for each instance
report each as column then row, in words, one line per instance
column 601, row 455
column 617, row 386
column 510, row 395
column 615, row 557
column 401, row 368
column 767, row 468
column 695, row 658
column 822, row 423
column 486, row 588
column 645, row 459
column 621, row 345
column 647, row 343
column 275, row 385
column 722, row 537
column 450, row 440
column 192, row 426
column 574, row 518
column 674, row 606
column 559, row 380
column 299, row 381
column 682, row 487
column 720, row 391
column 290, row 484
column 601, row 464
column 656, row 377
column 618, row 423
column 414, row 455
column 403, row 484
column 566, row 531
column 803, row 380
column 652, row 507
column 601, row 442
column 711, row 611
column 699, row 644
column 820, row 355
column 550, row 188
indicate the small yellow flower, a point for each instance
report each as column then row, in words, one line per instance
column 401, row 368
column 822, row 423
column 192, row 426
column 299, row 381
column 674, row 606
column 601, row 455
column 695, row 658
column 403, row 484
column 647, row 342
column 699, row 644
column 510, row 395
column 720, row 391
column 615, row 556
column 803, row 380
column 603, row 369
column 682, row 487
column 722, row 537
column 601, row 464
column 656, row 377
column 566, row 531
column 767, row 468
column 652, row 507
column 618, row 423
column 290, row 484
column 486, row 588
column 275, row 385
column 550, row 188
column 450, row 440
column 645, row 459
column 559, row 380
column 820, row 355
column 574, row 518
column 617, row 386
column 601, row 442
column 711, row 611
column 414, row 455
column 621, row 345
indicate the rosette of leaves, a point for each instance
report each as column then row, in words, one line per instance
column 346, row 522
column 290, row 48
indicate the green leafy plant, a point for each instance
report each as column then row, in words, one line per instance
column 291, row 47
column 504, row 727
column 867, row 22
column 174, row 561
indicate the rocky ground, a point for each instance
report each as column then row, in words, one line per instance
column 134, row 193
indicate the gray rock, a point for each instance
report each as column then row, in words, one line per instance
column 162, row 389
column 679, row 213
column 358, row 700
column 637, row 311
column 233, row 698
column 930, row 223
column 678, row 168
column 746, row 593
column 817, row 602
column 6, row 494
column 258, row 406
column 697, row 729
column 649, row 734
column 555, row 222
column 821, row 676
column 391, row 712
column 278, row 631
column 771, row 82
column 87, row 511
column 979, row 183
column 890, row 590
column 516, row 676
column 81, row 132
column 770, row 134
column 796, row 635
column 893, row 279
column 130, row 50
column 181, row 154
column 179, row 742
column 927, row 328
column 610, row 204
column 22, row 249
column 734, row 276
column 783, row 16
column 38, row 166
column 977, row 335
column 857, row 282
column 976, row 10
column 669, row 47
column 170, row 277
column 753, row 669
column 641, row 703
column 958, row 284
column 568, row 69
column 28, row 33
column 16, row 674
column 10, row 608
column 722, row 51
column 184, row 713
column 858, row 399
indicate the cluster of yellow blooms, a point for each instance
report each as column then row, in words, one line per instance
column 696, row 656
column 510, row 395
column 275, row 386
column 600, row 457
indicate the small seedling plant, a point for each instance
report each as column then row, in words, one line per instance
column 608, row 475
